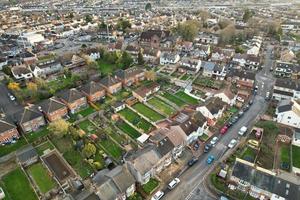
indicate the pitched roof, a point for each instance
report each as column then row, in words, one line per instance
column 146, row 35
column 92, row 87
column 70, row 95
column 128, row 73
column 50, row 105
column 28, row 114
column 215, row 105
column 5, row 126
column 109, row 81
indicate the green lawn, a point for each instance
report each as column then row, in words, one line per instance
column 87, row 127
column 150, row 186
column 41, row 148
column 62, row 83
column 112, row 148
column 187, row 98
column 173, row 99
column 185, row 77
column 4, row 150
column 249, row 154
column 204, row 137
column 296, row 156
column 136, row 120
column 162, row 106
column 31, row 137
column 148, row 112
column 18, row 186
column 87, row 111
column 105, row 68
column 285, row 153
column 126, row 128
column 41, row 177
column 75, row 159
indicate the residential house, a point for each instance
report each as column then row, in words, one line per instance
column 118, row 106
column 112, row 84
column 208, row 38
column 73, row 99
column 201, row 51
column 227, row 97
column 21, row 72
column 29, row 119
column 243, row 79
column 213, row 110
column 53, row 109
column 93, row 91
column 147, row 162
column 133, row 51
column 8, row 132
column 261, row 183
column 153, row 38
column 222, row 55
column 3, row 62
column 287, row 55
column 144, row 92
column 189, row 65
column 75, row 63
column 296, row 137
column 192, row 124
column 169, row 58
column 211, row 69
column 43, row 69
column 130, row 76
column 288, row 113
column 252, row 62
column 115, row 184
column 28, row 57
column 151, row 55
column 240, row 59
column 286, row 89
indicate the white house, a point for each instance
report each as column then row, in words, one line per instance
column 189, row 65
column 296, row 137
column 227, row 97
column 288, row 113
column 169, row 58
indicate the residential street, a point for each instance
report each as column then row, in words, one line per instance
column 192, row 181
column 6, row 105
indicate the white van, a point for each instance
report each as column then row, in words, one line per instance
column 173, row 183
column 242, row 130
column 158, row 195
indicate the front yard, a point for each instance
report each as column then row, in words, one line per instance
column 18, row 186
column 187, row 98
column 41, row 177
column 147, row 112
column 162, row 106
column 136, row 120
column 296, row 156
column 150, row 187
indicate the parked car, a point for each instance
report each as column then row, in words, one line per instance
column 192, row 161
column 234, row 119
column 232, row 143
column 224, row 129
column 246, row 108
column 196, row 146
column 214, row 141
column 207, row 147
column 210, row 159
column 11, row 97
column 250, row 102
column 268, row 96
column 173, row 183
column 158, row 195
column 242, row 130
column 241, row 113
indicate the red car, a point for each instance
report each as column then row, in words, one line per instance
column 224, row 129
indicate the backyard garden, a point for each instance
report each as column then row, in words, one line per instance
column 147, row 112
column 162, row 106
column 174, row 99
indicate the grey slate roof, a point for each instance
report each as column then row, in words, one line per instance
column 92, row 87
column 70, row 95
column 5, row 126
column 50, row 105
column 109, row 81
column 26, row 153
column 27, row 114
column 128, row 73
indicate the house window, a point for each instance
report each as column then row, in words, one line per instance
column 288, row 117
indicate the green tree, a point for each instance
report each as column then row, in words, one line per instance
column 6, row 69
column 123, row 24
column 247, row 15
column 148, row 6
column 71, row 15
column 140, row 58
column 89, row 150
column 102, row 25
column 88, row 18
column 59, row 127
column 188, row 30
column 126, row 60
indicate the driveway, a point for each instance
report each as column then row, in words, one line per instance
column 7, row 106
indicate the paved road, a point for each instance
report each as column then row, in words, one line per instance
column 6, row 105
column 192, row 185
